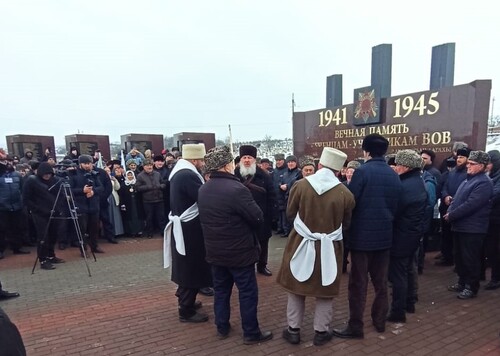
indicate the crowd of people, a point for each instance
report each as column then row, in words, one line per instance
column 374, row 215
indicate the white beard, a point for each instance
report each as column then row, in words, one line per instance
column 250, row 171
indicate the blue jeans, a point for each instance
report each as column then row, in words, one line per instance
column 244, row 277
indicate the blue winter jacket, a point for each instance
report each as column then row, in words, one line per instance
column 376, row 188
column 470, row 208
column 10, row 192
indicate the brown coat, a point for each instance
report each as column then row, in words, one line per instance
column 320, row 213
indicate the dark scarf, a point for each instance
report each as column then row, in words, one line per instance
column 248, row 183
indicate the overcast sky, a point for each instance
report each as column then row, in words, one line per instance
column 118, row 67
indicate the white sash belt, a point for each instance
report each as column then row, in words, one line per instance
column 175, row 223
column 302, row 262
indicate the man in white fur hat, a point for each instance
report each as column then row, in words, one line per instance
column 184, row 244
column 312, row 261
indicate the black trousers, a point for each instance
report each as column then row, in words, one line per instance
column 263, row 256
column 154, row 213
column 468, row 247
column 491, row 251
column 186, row 298
column 10, row 338
column 283, row 223
column 447, row 241
column 108, row 230
column 376, row 264
column 89, row 224
column 401, row 275
column 12, row 229
column 47, row 235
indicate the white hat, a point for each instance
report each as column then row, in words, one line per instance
column 332, row 158
column 193, row 151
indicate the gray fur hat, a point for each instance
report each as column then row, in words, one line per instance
column 409, row 158
column 479, row 157
column 217, row 157
column 85, row 159
column 306, row 161
column 459, row 145
column 353, row 164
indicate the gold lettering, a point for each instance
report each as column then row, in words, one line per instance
column 436, row 138
column 446, row 137
column 426, row 140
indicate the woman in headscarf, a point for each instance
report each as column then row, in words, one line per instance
column 129, row 206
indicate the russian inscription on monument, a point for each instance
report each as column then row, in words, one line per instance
column 424, row 120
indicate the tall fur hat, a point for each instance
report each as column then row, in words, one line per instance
column 332, row 158
column 464, row 151
column 409, row 158
column 217, row 157
column 248, row 150
column 375, row 144
column 479, row 157
column 458, row 145
column 193, row 151
column 494, row 155
column 279, row 156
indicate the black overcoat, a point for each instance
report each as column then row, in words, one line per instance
column 261, row 187
column 191, row 270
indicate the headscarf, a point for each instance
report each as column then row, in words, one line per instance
column 127, row 181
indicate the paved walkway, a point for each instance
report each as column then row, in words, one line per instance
column 128, row 307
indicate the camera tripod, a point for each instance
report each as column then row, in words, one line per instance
column 65, row 189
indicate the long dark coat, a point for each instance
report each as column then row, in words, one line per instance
column 409, row 221
column 191, row 270
column 261, row 187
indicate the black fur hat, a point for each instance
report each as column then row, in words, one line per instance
column 375, row 144
column 248, row 150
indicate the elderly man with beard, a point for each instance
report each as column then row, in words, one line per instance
column 320, row 207
column 469, row 214
column 231, row 220
column 184, row 246
column 260, row 185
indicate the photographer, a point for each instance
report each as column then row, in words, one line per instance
column 65, row 169
column 86, row 188
column 39, row 195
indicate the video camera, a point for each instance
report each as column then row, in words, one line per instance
column 91, row 178
column 65, row 168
